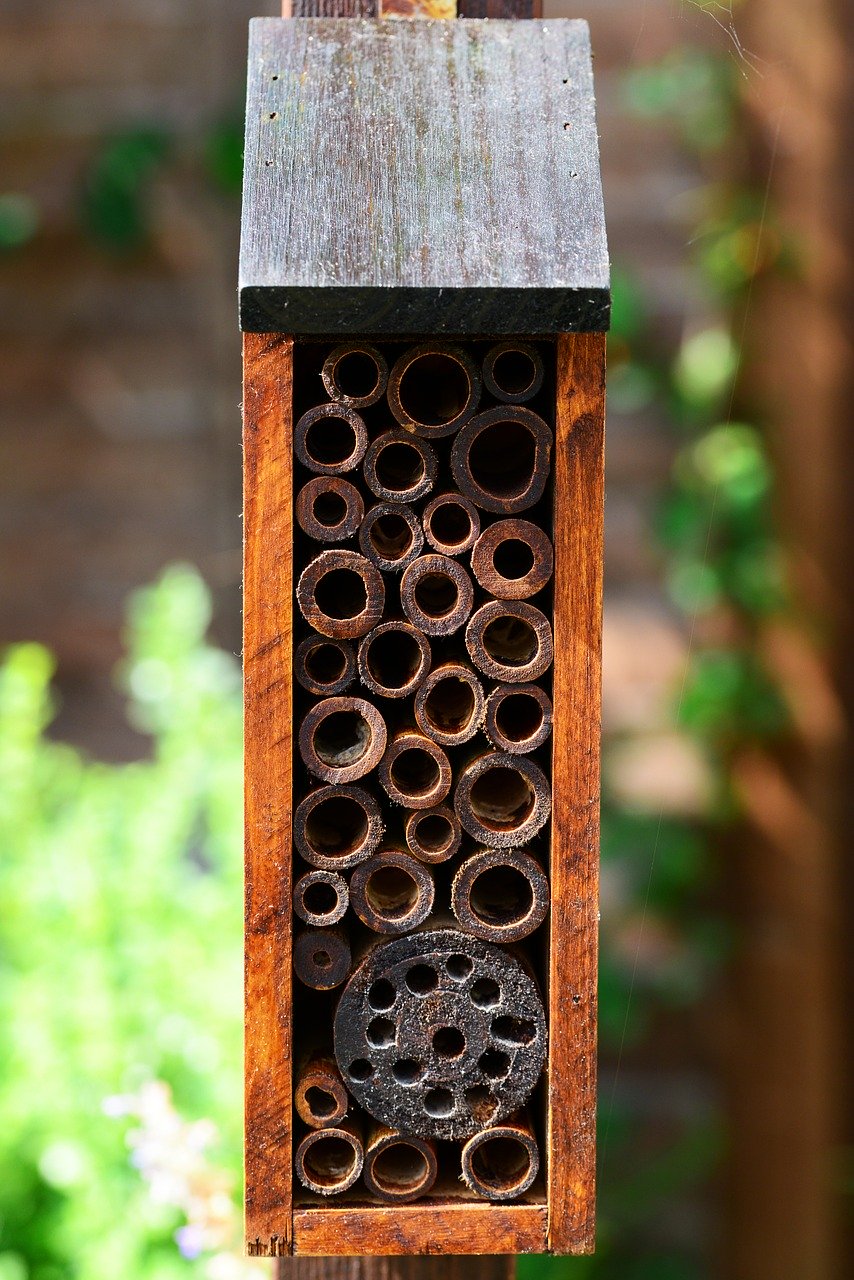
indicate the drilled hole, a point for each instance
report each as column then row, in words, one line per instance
column 329, row 1161
column 450, row 524
column 329, row 509
column 400, row 1167
column 518, row 717
column 336, row 827
column 391, row 892
column 390, row 536
column 494, row 1064
column 381, row 994
column 434, row 834
column 407, row 1071
column 514, row 372
column 436, row 594
column 394, row 659
column 459, row 967
column 434, row 390
column 513, row 1030
column 501, row 1163
column 511, row 642
column 399, row 467
column 320, row 1102
column 449, row 1042
column 381, row 1033
column 322, row 960
column 502, row 799
column 513, row 559
column 485, row 993
column 330, row 441
column 481, row 1102
column 341, row 593
column 414, row 772
column 325, row 663
column 356, row 375
column 501, row 895
column 450, row 705
column 320, row 898
column 360, row 1070
column 439, row 1103
column 501, row 459
column 342, row 739
column 422, row 979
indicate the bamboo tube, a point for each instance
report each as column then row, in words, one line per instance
column 500, row 895
column 393, row 659
column 391, row 536
column 433, row 835
column 451, row 524
column 415, row 771
column 398, row 1168
column 329, row 1161
column 330, row 439
column 392, row 892
column 399, row 467
column 355, row 374
column 518, row 717
column 433, row 389
column 512, row 559
column 329, row 509
column 324, row 666
column 436, row 594
column 500, row 460
column 321, row 898
column 501, row 1163
column 510, row 640
column 341, row 594
column 341, row 739
column 450, row 705
column 337, row 827
column 320, row 1097
column 502, row 800
column 513, row 371
column 322, row 958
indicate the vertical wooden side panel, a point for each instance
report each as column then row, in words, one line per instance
column 267, row 626
column 579, row 491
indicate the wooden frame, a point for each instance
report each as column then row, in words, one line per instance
column 564, row 1223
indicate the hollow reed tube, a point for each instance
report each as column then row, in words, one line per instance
column 393, row 659
column 433, row 835
column 321, row 898
column 415, row 771
column 500, row 895
column 502, row 1162
column 391, row 536
column 500, row 460
column 341, row 594
column 518, row 717
column 392, row 892
column 510, row 641
column 502, row 800
column 513, row 559
column 451, row 524
column 329, row 509
column 342, row 738
column 330, row 439
column 322, row 957
column 355, row 374
column 320, row 1097
column 437, row 595
column 337, row 827
column 513, row 371
column 398, row 1169
column 450, row 704
column 324, row 666
column 399, row 467
column 329, row 1161
column 433, row 389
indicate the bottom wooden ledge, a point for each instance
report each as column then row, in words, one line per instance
column 426, row 1229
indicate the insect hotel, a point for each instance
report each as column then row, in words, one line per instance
column 424, row 292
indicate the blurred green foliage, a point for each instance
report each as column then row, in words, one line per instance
column 114, row 200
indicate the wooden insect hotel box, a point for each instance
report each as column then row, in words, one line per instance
column 424, row 294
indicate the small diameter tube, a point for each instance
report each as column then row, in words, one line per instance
column 500, row 895
column 501, row 1163
column 393, row 659
column 433, row 389
column 355, row 374
column 398, row 1169
column 450, row 705
column 399, row 467
column 320, row 1097
column 392, row 892
column 324, row 666
column 415, row 771
column 502, row 800
column 518, row 717
column 437, row 595
column 321, row 898
column 510, row 641
column 337, row 827
column 329, row 1161
column 329, row 509
column 513, row 559
column 330, row 439
column 513, row 371
column 341, row 739
column 500, row 460
column 322, row 958
column 391, row 536
column 341, row 594
column 451, row 524
column 433, row 835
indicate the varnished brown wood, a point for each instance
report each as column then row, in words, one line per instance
column 578, row 484
column 451, row 1228
column 267, row 649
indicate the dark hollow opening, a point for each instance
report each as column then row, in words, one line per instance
column 449, row 1042
column 459, row 967
column 325, row 663
column 320, row 898
column 399, row 467
column 501, row 1163
column 449, row 706
column 356, row 374
column 501, row 459
column 336, row 827
column 321, row 960
column 407, row 1070
column 341, row 593
column 422, row 979
column 439, row 1103
column 400, row 1167
column 330, row 441
column 329, row 509
column 360, row 1070
column 342, row 738
column 381, row 1033
column 329, row 1161
column 501, row 895
column 513, row 559
column 494, row 1064
column 482, row 1102
column 510, row 641
column 436, row 594
column 514, row 372
column 381, row 994
column 513, row 1030
column 391, row 892
column 450, row 524
column 414, row 772
column 502, row 799
column 390, row 536
column 320, row 1102
column 434, row 389
column 518, row 717
column 485, row 993
column 434, row 833
column 394, row 659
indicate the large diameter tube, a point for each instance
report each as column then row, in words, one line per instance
column 330, row 439
column 329, row 1161
column 341, row 594
column 399, row 467
column 510, row 641
column 433, row 389
column 500, row 460
column 502, row 800
column 392, row 892
column 341, row 739
column 451, row 524
column 500, row 895
column 501, row 1163
column 450, row 704
column 393, row 659
column 329, row 509
column 320, row 1097
column 415, row 771
column 391, row 536
column 436, row 594
column 518, row 717
column 337, row 827
column 513, row 559
column 398, row 1168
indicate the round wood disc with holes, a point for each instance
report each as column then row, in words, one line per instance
column 439, row 1034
